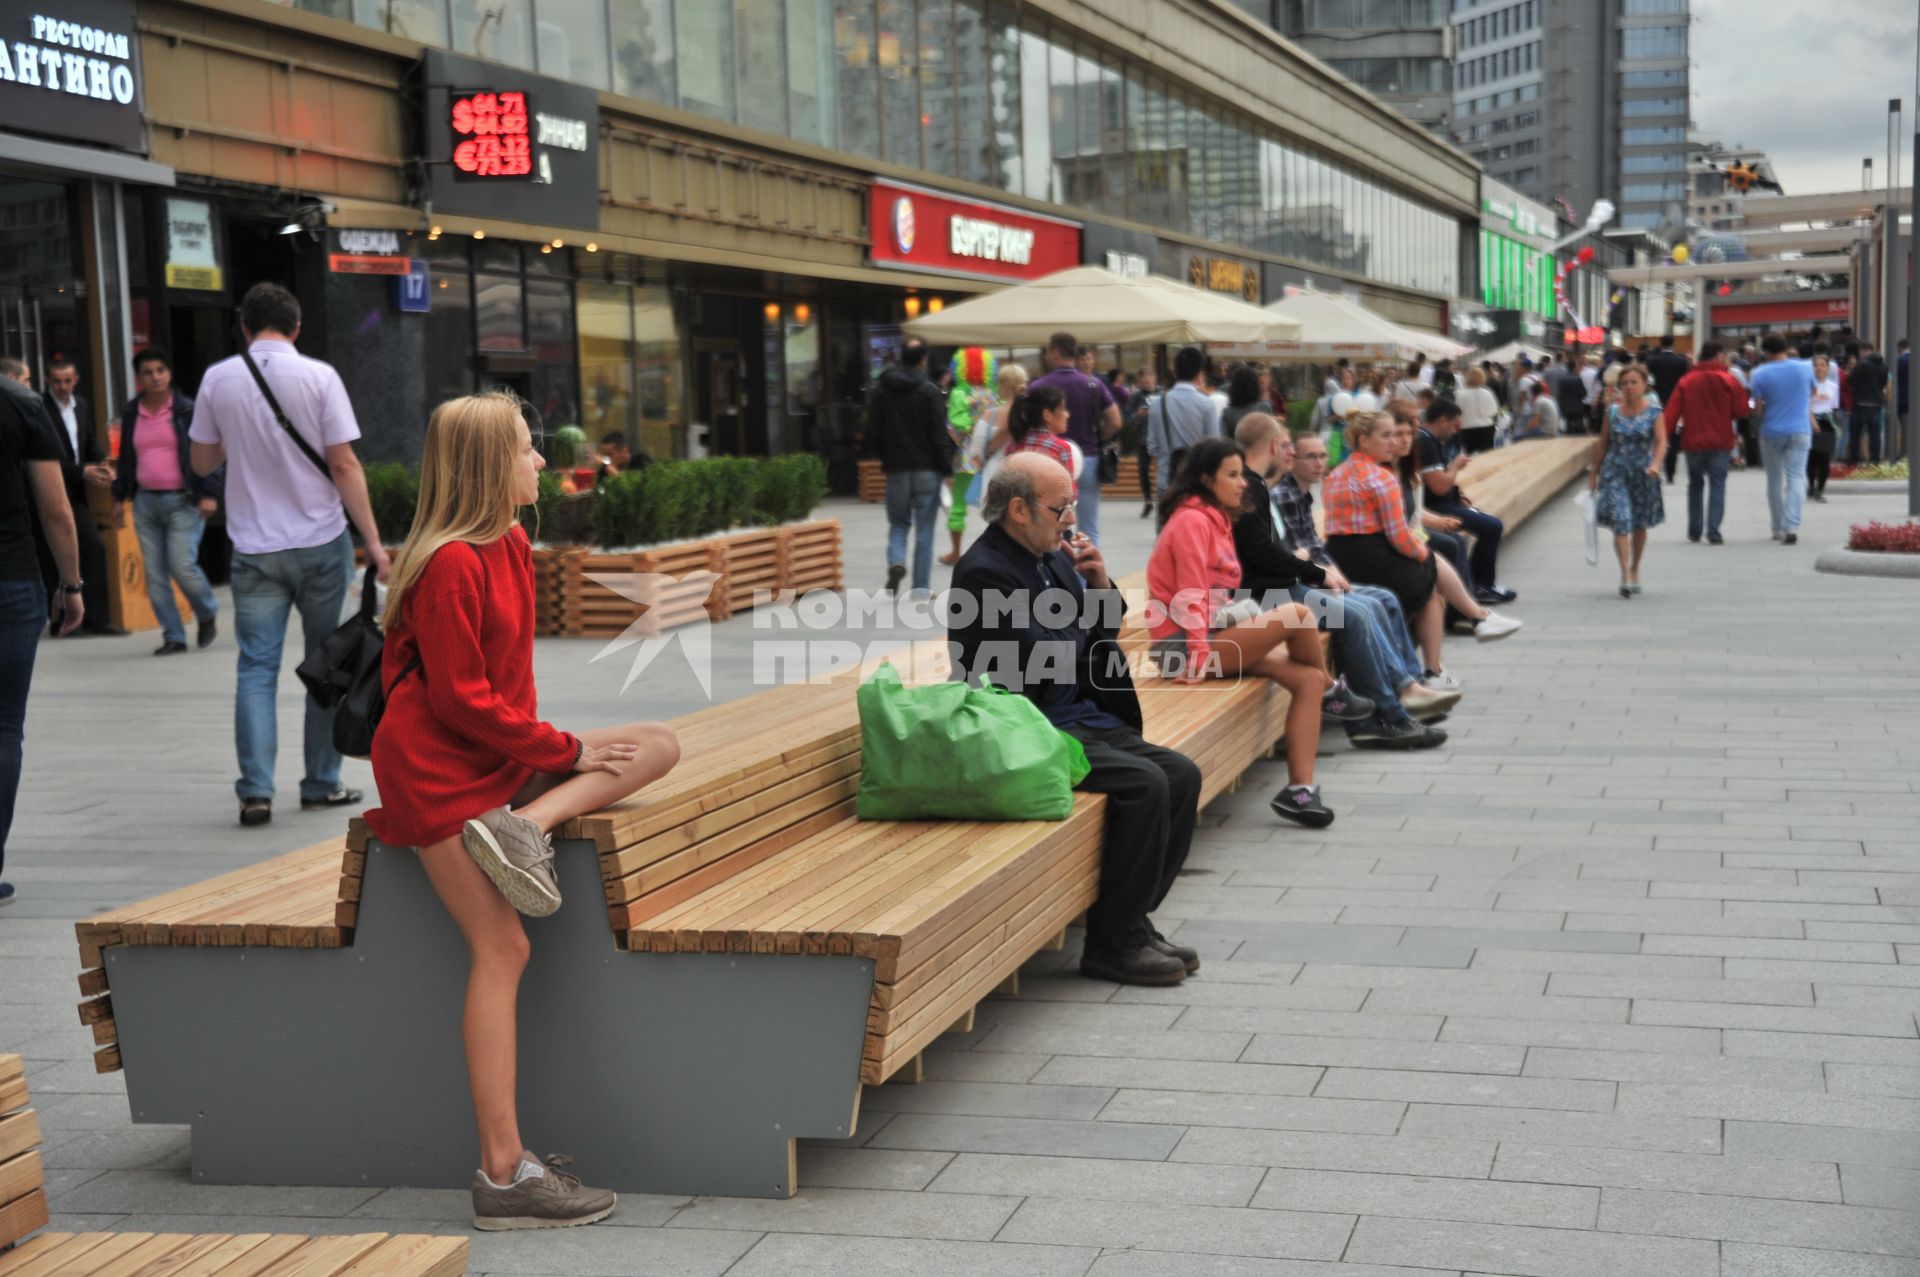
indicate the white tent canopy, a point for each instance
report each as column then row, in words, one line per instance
column 1099, row 308
column 1333, row 327
column 1511, row 351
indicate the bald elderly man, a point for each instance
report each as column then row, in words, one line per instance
column 1067, row 661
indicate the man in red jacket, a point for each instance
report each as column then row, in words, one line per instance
column 1707, row 400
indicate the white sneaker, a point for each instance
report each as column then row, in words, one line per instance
column 1440, row 681
column 1494, row 626
column 1428, row 702
column 1777, row 534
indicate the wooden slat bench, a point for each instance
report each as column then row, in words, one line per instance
column 23, row 1210
column 764, row 956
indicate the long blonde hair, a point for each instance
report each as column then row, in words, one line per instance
column 466, row 484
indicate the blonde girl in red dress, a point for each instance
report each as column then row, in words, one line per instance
column 472, row 777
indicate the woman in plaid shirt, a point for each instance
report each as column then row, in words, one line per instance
column 1366, row 526
column 1038, row 422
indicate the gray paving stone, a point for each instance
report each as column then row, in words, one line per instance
column 1192, row 1184
column 172, row 1193
column 1671, row 1172
column 1886, row 1024
column 1598, row 964
column 1679, row 1070
column 1599, row 1037
column 903, row 1169
column 1821, row 1047
column 1214, row 1230
column 1274, row 1112
column 1891, row 1187
column 1658, row 924
column 1339, row 975
column 1535, row 1252
column 1179, row 1044
column 981, row 1066
column 1439, row 1057
column 1740, row 1259
column 1874, row 1079
column 1182, row 1075
column 1590, row 940
column 1902, row 975
column 938, row 1133
column 1786, row 993
column 1786, row 950
column 1545, row 1126
column 1594, row 1010
column 1216, row 993
column 1394, row 1154
column 1480, row 1201
column 855, row 1212
column 1822, row 1143
column 1773, row 1221
column 784, row 1254
column 1146, row 1263
column 1364, row 1024
column 610, row 1252
column 987, row 1099
column 1467, row 1088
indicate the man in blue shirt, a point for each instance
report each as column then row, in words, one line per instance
column 1783, row 405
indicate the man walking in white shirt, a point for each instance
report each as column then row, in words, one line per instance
column 291, row 489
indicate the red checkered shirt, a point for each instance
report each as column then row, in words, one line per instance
column 1038, row 440
column 1362, row 496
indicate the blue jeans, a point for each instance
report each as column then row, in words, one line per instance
column 1866, row 429
column 1363, row 643
column 1086, row 512
column 169, row 527
column 1785, row 457
column 1707, row 470
column 266, row 587
column 23, row 614
column 913, row 497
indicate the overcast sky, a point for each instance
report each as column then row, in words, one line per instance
column 1810, row 91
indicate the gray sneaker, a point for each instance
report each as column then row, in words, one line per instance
column 554, row 1200
column 513, row 852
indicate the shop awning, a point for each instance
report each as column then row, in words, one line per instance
column 1098, row 307
column 56, row 157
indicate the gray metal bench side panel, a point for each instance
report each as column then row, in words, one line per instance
column 662, row 1073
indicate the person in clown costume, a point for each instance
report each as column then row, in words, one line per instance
column 968, row 405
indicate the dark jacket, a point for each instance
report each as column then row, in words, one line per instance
column 997, row 565
column 127, row 482
column 1667, row 367
column 907, row 422
column 1869, row 382
column 72, row 466
column 1265, row 564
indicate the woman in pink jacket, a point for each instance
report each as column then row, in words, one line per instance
column 1200, row 630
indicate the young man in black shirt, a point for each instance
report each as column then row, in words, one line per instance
column 1441, row 460
column 30, row 482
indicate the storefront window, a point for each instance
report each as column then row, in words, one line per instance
column 899, row 55
column 496, row 29
column 973, row 72
column 643, row 49
column 572, row 39
column 1112, row 91
column 856, row 48
column 939, row 111
column 1178, row 169
column 806, row 390
column 705, row 65
column 497, row 310
column 759, row 31
column 605, row 317
column 449, row 330
column 810, row 71
column 422, row 20
column 1003, row 96
column 657, row 363
column 1036, row 118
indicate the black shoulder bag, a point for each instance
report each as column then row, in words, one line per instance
column 344, row 675
column 280, row 415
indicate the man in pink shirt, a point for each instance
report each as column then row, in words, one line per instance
column 171, row 503
column 290, row 491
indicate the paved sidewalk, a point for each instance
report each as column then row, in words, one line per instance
column 1622, row 981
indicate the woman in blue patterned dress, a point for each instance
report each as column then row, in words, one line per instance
column 1626, row 474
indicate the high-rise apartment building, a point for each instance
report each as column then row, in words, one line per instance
column 1577, row 100
column 1401, row 51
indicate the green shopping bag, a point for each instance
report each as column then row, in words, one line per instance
column 947, row 751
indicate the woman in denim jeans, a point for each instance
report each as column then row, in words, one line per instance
column 171, row 504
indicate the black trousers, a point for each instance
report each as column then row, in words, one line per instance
column 1153, row 803
column 1485, row 529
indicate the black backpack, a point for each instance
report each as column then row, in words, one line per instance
column 343, row 674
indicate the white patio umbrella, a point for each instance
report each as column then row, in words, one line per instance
column 1332, row 326
column 1098, row 307
column 1511, row 351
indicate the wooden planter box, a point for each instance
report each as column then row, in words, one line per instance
column 714, row 578
column 1127, row 484
column 873, row 481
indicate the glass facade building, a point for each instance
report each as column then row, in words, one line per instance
column 970, row 91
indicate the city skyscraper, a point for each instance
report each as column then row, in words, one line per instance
column 1577, row 101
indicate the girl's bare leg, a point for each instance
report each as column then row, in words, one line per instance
column 585, row 792
column 498, row 951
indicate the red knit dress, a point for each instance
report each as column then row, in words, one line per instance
column 462, row 733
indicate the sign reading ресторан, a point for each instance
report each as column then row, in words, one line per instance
column 71, row 71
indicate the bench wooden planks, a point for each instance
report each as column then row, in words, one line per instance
column 229, row 1255
column 23, row 1198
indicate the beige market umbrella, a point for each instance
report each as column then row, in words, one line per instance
column 1333, row 327
column 1099, row 308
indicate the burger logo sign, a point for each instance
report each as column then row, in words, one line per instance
column 903, row 224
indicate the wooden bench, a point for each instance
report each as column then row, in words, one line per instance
column 764, row 955
column 23, row 1210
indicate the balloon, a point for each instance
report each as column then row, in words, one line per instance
column 1586, row 254
column 1364, row 402
column 1680, row 254
column 1342, row 404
